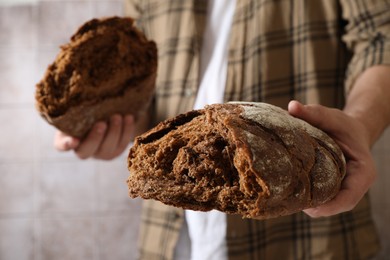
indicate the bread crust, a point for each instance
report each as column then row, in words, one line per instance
column 107, row 67
column 252, row 159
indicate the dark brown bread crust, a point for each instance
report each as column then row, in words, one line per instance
column 108, row 67
column 252, row 159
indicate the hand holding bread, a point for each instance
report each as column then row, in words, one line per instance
column 107, row 68
column 353, row 138
column 252, row 159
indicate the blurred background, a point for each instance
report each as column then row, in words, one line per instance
column 53, row 205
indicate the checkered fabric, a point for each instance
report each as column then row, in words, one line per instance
column 308, row 50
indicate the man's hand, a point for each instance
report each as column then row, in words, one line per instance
column 354, row 140
column 106, row 140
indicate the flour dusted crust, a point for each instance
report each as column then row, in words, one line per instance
column 107, row 67
column 252, row 159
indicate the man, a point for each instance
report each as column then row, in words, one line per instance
column 332, row 54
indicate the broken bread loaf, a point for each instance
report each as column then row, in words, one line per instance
column 252, row 159
column 107, row 67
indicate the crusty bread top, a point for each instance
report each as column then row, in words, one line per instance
column 274, row 117
column 326, row 171
column 103, row 59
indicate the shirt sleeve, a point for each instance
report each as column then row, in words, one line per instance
column 367, row 35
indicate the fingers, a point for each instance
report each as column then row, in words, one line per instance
column 319, row 116
column 109, row 144
column 117, row 137
column 359, row 178
column 92, row 141
column 127, row 132
column 351, row 135
column 343, row 202
column 334, row 122
column 107, row 140
column 64, row 142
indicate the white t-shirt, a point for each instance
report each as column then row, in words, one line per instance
column 213, row 60
column 207, row 230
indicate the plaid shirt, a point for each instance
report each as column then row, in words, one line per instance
column 311, row 51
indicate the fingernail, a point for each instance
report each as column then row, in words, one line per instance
column 101, row 128
column 68, row 143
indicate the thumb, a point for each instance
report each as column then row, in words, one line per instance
column 325, row 118
column 63, row 142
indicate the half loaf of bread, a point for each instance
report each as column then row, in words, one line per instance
column 107, row 67
column 252, row 159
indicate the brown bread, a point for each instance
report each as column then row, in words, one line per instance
column 107, row 67
column 252, row 159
